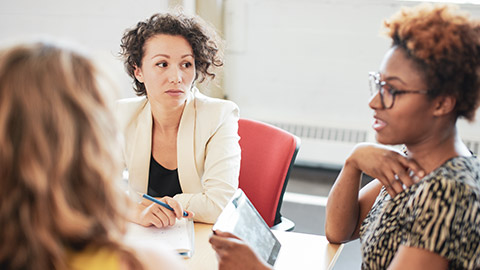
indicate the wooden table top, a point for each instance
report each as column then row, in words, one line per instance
column 298, row 250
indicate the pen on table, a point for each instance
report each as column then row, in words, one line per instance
column 148, row 197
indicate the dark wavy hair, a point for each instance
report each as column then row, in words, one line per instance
column 445, row 43
column 205, row 43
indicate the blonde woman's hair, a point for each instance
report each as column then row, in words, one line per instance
column 57, row 162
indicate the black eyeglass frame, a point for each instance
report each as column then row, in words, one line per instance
column 375, row 77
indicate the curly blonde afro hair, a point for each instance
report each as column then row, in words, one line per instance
column 445, row 43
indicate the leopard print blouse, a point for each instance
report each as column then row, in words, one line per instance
column 441, row 213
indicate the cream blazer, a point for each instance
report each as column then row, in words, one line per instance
column 208, row 153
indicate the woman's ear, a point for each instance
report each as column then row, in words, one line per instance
column 138, row 74
column 444, row 105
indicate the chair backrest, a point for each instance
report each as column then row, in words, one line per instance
column 268, row 153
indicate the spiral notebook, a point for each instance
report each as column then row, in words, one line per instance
column 241, row 218
column 179, row 237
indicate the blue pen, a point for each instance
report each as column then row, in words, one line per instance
column 148, row 197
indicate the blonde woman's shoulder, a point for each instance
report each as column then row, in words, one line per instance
column 155, row 256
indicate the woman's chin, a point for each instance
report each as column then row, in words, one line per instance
column 386, row 140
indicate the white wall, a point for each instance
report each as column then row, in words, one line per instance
column 307, row 62
column 96, row 25
column 303, row 61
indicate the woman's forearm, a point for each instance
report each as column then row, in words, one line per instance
column 343, row 208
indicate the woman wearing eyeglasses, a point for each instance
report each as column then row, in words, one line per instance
column 423, row 209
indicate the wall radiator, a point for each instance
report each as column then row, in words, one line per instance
column 328, row 147
column 324, row 146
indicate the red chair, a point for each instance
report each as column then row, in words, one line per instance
column 268, row 153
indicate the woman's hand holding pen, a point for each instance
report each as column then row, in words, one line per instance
column 150, row 213
column 393, row 169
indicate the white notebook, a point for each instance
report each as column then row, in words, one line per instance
column 179, row 237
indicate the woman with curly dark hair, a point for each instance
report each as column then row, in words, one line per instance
column 180, row 146
column 423, row 209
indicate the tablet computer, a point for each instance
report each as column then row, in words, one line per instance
column 241, row 218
